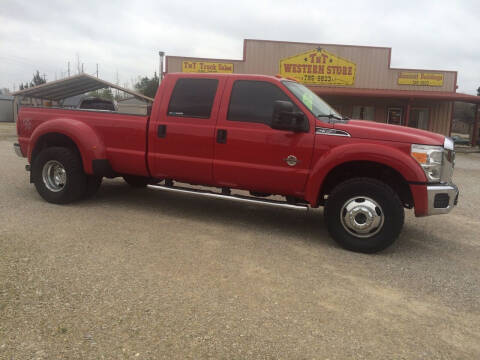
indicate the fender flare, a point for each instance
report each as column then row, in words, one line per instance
column 389, row 156
column 88, row 142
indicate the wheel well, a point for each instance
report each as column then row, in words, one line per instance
column 369, row 169
column 53, row 139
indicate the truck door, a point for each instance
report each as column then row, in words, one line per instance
column 249, row 154
column 181, row 134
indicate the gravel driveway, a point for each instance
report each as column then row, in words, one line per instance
column 140, row 274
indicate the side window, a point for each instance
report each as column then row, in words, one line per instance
column 252, row 101
column 192, row 98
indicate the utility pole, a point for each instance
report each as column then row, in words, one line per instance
column 82, row 67
column 160, row 74
column 97, row 71
column 69, row 69
column 44, row 79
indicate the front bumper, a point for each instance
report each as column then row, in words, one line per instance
column 442, row 198
column 18, row 150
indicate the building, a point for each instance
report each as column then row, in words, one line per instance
column 356, row 80
column 6, row 108
column 132, row 105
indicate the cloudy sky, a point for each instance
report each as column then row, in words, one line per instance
column 125, row 36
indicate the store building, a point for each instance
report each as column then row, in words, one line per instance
column 356, row 80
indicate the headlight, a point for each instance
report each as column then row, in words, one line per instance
column 430, row 159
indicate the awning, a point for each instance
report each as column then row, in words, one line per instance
column 74, row 85
column 404, row 94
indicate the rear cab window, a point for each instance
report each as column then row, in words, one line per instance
column 192, row 98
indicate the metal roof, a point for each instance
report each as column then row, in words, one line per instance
column 6, row 97
column 405, row 94
column 73, row 85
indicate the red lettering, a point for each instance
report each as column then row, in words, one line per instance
column 349, row 70
column 321, row 69
column 324, row 58
column 287, row 67
column 329, row 69
column 311, row 56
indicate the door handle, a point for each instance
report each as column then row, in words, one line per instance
column 161, row 131
column 221, row 136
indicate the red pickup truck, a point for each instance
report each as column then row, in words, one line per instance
column 267, row 135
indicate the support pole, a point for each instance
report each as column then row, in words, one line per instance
column 407, row 115
column 475, row 127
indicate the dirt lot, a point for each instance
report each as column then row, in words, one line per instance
column 140, row 274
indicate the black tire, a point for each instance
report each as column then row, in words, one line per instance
column 93, row 184
column 136, row 181
column 374, row 192
column 75, row 186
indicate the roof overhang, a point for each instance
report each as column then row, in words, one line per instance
column 71, row 86
column 402, row 94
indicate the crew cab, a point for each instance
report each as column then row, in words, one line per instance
column 264, row 134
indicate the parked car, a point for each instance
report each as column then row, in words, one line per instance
column 458, row 140
column 89, row 103
column 267, row 135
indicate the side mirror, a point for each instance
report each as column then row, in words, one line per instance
column 285, row 118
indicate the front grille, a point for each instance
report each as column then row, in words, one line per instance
column 441, row 201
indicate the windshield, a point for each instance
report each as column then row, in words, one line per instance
column 316, row 105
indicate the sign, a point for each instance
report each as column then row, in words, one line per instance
column 206, row 67
column 420, row 79
column 319, row 67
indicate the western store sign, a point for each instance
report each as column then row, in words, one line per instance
column 319, row 67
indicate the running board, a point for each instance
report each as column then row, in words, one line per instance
column 241, row 198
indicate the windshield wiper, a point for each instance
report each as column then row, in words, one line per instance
column 329, row 116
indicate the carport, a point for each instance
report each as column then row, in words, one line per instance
column 55, row 91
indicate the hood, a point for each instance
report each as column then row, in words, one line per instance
column 378, row 131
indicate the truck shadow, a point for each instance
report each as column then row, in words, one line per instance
column 304, row 226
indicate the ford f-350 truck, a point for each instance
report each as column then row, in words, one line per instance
column 267, row 135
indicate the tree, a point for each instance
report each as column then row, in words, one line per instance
column 147, row 86
column 37, row 79
column 478, row 91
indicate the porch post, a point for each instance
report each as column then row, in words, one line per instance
column 475, row 127
column 407, row 115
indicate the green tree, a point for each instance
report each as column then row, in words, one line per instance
column 147, row 86
column 106, row 94
column 37, row 79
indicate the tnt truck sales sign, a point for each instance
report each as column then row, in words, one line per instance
column 206, row 67
column 319, row 67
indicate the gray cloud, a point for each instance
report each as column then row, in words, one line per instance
column 126, row 35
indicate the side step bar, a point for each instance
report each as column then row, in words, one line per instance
column 241, row 198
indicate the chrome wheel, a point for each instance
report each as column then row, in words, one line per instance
column 362, row 217
column 54, row 176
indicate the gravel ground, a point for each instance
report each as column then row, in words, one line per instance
column 140, row 274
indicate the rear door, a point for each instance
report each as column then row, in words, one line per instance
column 249, row 154
column 181, row 142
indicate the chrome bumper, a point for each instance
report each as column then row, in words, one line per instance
column 18, row 150
column 441, row 198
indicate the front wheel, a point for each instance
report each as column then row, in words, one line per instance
column 364, row 215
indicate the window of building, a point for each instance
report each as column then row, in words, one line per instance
column 192, row 98
column 363, row 112
column 395, row 116
column 252, row 101
column 418, row 118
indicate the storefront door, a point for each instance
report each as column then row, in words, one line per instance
column 395, row 116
